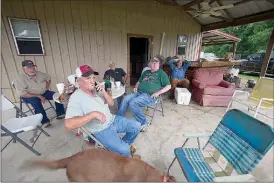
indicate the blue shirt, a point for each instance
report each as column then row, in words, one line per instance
column 178, row 73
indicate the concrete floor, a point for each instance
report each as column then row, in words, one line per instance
column 155, row 145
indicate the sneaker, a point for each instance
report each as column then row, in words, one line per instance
column 46, row 124
column 144, row 127
column 62, row 116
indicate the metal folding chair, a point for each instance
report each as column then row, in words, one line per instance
column 30, row 109
column 233, row 150
column 154, row 107
column 15, row 126
column 262, row 96
column 90, row 135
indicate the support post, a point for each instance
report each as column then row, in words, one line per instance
column 234, row 48
column 268, row 53
column 162, row 42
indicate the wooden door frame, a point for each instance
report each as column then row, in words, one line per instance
column 150, row 49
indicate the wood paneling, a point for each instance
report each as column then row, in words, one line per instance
column 92, row 32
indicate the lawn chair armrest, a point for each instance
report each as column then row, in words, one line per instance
column 240, row 91
column 235, row 178
column 196, row 135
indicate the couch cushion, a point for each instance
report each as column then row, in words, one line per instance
column 218, row 90
column 208, row 76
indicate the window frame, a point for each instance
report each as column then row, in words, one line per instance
column 14, row 37
column 177, row 43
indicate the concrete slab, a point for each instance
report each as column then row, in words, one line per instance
column 156, row 145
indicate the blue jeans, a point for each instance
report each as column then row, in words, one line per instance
column 111, row 139
column 136, row 102
column 38, row 107
column 119, row 101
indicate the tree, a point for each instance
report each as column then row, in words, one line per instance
column 254, row 38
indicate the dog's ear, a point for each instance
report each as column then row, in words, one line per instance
column 171, row 179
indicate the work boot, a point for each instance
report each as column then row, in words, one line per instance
column 138, row 157
column 87, row 145
column 132, row 150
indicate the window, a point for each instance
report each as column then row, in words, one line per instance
column 27, row 36
column 181, row 45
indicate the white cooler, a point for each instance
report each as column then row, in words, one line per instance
column 182, row 96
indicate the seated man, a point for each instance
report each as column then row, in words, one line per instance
column 178, row 74
column 33, row 87
column 118, row 74
column 88, row 106
column 151, row 84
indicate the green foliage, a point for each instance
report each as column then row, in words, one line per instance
column 254, row 38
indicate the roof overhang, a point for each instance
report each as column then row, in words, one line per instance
column 216, row 37
column 242, row 12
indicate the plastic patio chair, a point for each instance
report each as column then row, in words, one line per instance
column 262, row 96
column 233, row 150
column 30, row 109
column 15, row 126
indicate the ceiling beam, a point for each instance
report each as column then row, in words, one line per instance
column 192, row 3
column 221, row 18
column 230, row 18
column 211, row 1
column 242, row 2
column 271, row 1
column 216, row 43
column 266, row 15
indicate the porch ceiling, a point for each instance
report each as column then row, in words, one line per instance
column 242, row 12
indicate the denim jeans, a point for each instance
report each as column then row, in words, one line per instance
column 111, row 139
column 38, row 107
column 119, row 101
column 136, row 102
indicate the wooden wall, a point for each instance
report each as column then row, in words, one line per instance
column 92, row 32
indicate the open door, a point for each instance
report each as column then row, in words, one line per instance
column 139, row 53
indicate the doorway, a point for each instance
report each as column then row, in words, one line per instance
column 138, row 55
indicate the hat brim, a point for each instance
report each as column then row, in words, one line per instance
column 29, row 65
column 87, row 74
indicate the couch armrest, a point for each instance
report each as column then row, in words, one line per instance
column 198, row 84
column 235, row 178
column 227, row 84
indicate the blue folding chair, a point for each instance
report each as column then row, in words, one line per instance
column 233, row 150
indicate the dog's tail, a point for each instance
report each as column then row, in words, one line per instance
column 62, row 163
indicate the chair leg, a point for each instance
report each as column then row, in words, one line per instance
column 162, row 109
column 30, row 109
column 20, row 140
column 42, row 130
column 154, row 110
column 51, row 104
column 7, row 144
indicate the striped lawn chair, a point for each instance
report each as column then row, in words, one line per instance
column 233, row 150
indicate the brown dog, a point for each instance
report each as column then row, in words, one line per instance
column 101, row 165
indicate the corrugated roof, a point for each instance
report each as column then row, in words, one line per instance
column 217, row 37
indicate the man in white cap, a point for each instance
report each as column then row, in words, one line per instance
column 89, row 108
column 150, row 85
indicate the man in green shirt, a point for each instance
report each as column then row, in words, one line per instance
column 151, row 84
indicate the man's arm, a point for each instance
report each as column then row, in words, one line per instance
column 79, row 121
column 171, row 64
column 108, row 99
column 48, row 82
column 186, row 65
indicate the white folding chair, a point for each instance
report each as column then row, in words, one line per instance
column 30, row 109
column 14, row 126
